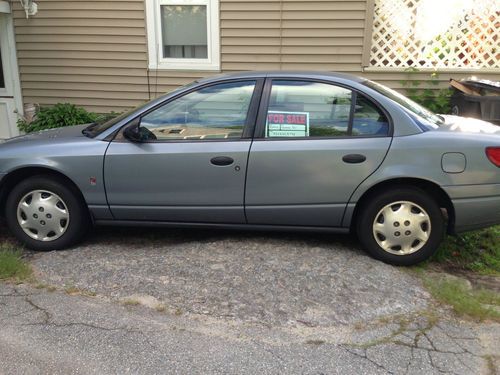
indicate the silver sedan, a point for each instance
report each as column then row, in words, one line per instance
column 261, row 150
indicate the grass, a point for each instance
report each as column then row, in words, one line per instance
column 130, row 302
column 161, row 307
column 477, row 251
column 12, row 266
column 49, row 288
column 480, row 304
column 472, row 253
column 74, row 291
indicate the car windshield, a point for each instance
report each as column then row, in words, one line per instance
column 105, row 123
column 430, row 119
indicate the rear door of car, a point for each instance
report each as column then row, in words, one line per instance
column 194, row 171
column 315, row 142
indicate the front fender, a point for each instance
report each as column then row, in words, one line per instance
column 80, row 160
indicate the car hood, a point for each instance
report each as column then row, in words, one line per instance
column 468, row 125
column 65, row 149
column 58, row 133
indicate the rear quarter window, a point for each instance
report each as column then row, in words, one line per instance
column 368, row 119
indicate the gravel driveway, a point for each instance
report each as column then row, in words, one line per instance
column 232, row 302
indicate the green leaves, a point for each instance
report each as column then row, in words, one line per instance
column 62, row 114
column 434, row 99
column 478, row 251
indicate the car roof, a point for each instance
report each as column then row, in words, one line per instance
column 284, row 73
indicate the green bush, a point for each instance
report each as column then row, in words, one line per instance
column 62, row 114
column 435, row 99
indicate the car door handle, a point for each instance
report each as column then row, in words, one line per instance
column 222, row 161
column 354, row 158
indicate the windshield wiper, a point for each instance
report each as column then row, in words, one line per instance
column 88, row 130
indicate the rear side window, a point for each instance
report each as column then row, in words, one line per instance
column 369, row 119
column 308, row 109
column 315, row 109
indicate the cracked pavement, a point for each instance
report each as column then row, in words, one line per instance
column 212, row 302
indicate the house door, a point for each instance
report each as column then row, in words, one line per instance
column 10, row 93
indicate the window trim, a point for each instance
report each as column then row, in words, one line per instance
column 368, row 34
column 155, row 35
column 248, row 128
column 260, row 128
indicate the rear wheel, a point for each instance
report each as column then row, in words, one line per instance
column 45, row 214
column 402, row 226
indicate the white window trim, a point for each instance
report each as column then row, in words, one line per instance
column 153, row 25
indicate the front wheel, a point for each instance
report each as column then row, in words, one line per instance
column 402, row 226
column 45, row 214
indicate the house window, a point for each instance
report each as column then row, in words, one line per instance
column 183, row 34
column 435, row 34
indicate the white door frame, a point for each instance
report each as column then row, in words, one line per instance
column 10, row 97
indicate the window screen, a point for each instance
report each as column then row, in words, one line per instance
column 184, row 31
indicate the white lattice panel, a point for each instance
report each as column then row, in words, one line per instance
column 436, row 34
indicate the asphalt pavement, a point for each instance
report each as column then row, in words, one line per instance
column 220, row 302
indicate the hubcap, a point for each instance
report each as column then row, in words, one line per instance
column 43, row 215
column 402, row 228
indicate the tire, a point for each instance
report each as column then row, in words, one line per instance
column 402, row 226
column 51, row 211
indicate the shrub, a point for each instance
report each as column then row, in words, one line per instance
column 434, row 99
column 62, row 114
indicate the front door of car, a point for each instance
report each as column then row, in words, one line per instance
column 191, row 163
column 315, row 143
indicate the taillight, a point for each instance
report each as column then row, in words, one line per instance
column 493, row 153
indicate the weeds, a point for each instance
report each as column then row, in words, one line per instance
column 74, row 291
column 477, row 251
column 130, row 302
column 12, row 266
column 479, row 304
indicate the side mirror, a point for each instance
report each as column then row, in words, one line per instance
column 133, row 134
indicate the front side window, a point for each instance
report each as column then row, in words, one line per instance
column 215, row 112
column 314, row 109
column 183, row 34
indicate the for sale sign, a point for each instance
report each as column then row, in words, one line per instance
column 287, row 124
